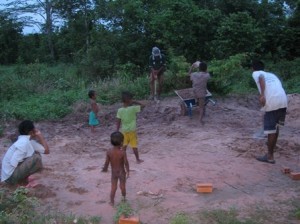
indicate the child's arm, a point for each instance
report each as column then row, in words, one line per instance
column 138, row 103
column 118, row 124
column 40, row 138
column 107, row 160
column 126, row 163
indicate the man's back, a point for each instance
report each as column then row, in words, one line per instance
column 275, row 95
column 199, row 80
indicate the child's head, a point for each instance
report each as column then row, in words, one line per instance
column 92, row 93
column 25, row 127
column 258, row 65
column 126, row 97
column 117, row 138
column 203, row 67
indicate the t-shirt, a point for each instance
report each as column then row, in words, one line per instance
column 274, row 93
column 18, row 152
column 199, row 80
column 128, row 117
column 156, row 62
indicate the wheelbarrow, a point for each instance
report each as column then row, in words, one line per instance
column 188, row 101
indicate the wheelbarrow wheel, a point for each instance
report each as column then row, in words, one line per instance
column 183, row 109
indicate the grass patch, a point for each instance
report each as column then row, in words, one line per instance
column 19, row 207
column 180, row 218
column 123, row 208
column 224, row 217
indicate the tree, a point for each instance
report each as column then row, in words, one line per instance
column 27, row 11
column 237, row 33
column 79, row 19
column 10, row 35
column 291, row 37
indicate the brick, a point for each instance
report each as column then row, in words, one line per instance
column 295, row 175
column 129, row 220
column 285, row 170
column 204, row 188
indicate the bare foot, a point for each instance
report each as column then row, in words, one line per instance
column 32, row 184
column 139, row 161
column 33, row 177
column 112, row 203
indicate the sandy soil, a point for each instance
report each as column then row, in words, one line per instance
column 178, row 154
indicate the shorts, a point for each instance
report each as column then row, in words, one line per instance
column 93, row 121
column 272, row 119
column 28, row 167
column 130, row 138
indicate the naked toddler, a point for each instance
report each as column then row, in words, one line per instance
column 119, row 165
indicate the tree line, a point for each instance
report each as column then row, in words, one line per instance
column 101, row 35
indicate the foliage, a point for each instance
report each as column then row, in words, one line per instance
column 10, row 36
column 100, row 35
column 297, row 213
column 243, row 38
column 123, row 208
column 176, row 75
column 38, row 91
column 225, row 217
column 288, row 72
column 19, row 207
column 229, row 75
column 180, row 218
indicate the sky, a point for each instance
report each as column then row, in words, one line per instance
column 26, row 29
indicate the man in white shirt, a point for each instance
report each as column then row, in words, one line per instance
column 274, row 102
column 23, row 158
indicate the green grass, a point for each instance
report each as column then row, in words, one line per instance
column 123, row 208
column 19, row 207
column 39, row 91
column 180, row 218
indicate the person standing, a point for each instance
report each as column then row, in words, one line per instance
column 273, row 100
column 117, row 158
column 200, row 80
column 157, row 64
column 93, row 115
column 126, row 121
column 23, row 158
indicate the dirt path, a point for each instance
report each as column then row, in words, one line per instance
column 178, row 154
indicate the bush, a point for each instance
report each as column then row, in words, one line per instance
column 288, row 72
column 228, row 75
column 123, row 208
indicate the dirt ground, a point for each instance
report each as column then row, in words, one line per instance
column 178, row 154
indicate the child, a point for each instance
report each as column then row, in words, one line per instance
column 93, row 120
column 126, row 118
column 118, row 160
column 199, row 80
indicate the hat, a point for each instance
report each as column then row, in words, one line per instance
column 155, row 51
